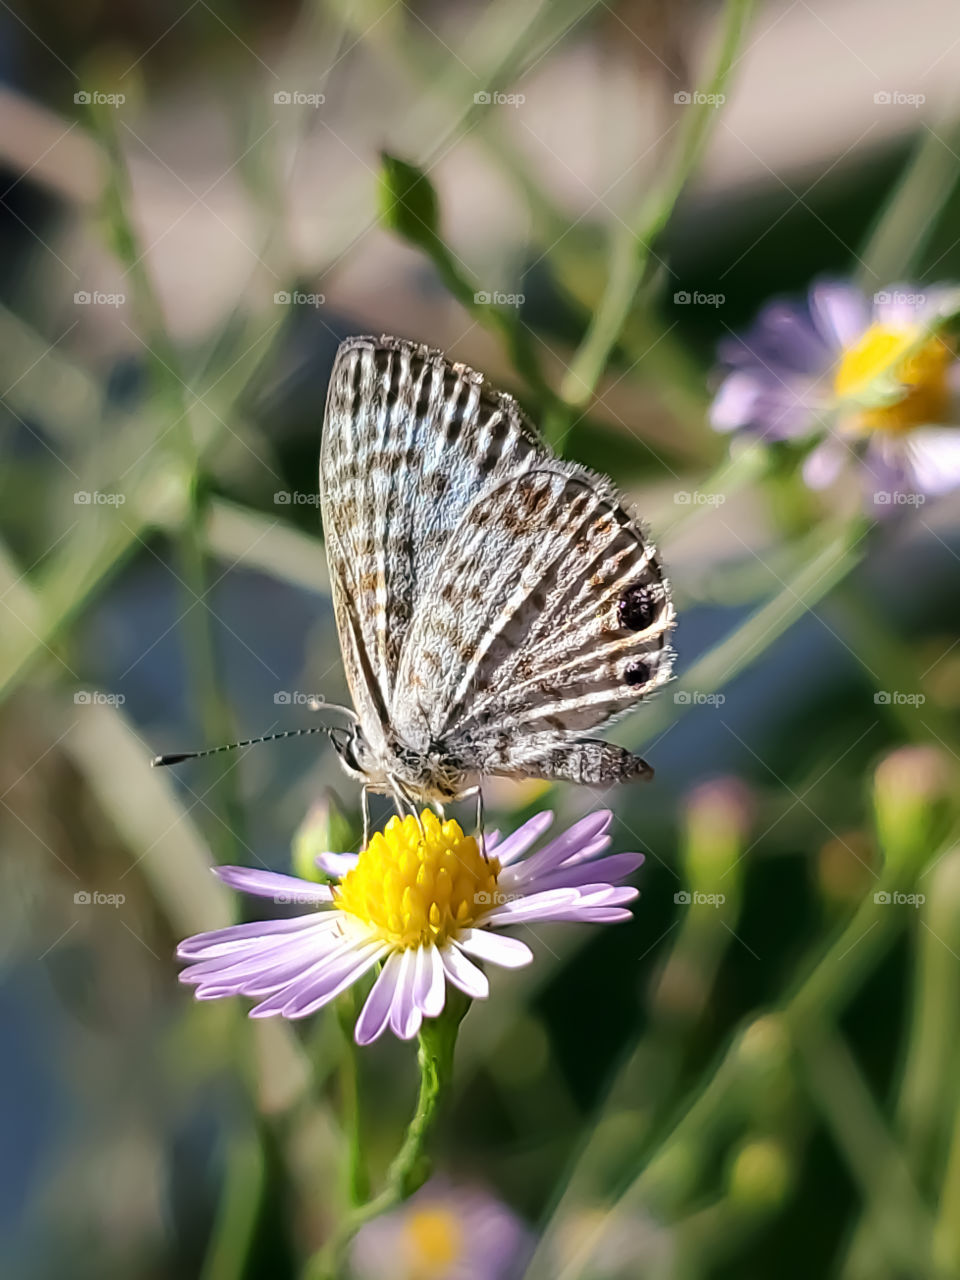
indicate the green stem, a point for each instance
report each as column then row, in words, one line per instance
column 411, row 1166
column 632, row 246
column 358, row 1179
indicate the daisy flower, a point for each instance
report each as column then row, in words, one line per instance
column 874, row 375
column 425, row 902
column 443, row 1233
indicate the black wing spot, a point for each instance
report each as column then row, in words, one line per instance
column 639, row 606
column 637, row 673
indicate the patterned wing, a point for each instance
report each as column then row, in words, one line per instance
column 547, row 615
column 409, row 440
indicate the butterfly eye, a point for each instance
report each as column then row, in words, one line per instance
column 638, row 607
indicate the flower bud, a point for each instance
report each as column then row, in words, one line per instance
column 759, row 1175
column 718, row 820
column 911, row 797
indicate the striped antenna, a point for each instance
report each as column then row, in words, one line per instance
column 176, row 757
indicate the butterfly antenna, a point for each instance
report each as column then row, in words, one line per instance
column 176, row 757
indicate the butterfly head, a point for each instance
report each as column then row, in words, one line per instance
column 354, row 752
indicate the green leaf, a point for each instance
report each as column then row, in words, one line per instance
column 408, row 202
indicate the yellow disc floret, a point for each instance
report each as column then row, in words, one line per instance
column 419, row 886
column 435, row 1241
column 921, row 371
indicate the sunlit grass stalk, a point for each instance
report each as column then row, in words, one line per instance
column 632, row 245
column 929, row 1088
column 901, row 1221
column 758, row 632
column 671, row 1173
column 172, row 394
column 646, row 1082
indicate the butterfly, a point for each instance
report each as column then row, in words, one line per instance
column 494, row 603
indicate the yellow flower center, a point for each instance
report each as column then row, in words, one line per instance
column 435, row 1239
column 419, row 886
column 922, row 373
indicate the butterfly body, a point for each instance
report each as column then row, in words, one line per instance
column 493, row 602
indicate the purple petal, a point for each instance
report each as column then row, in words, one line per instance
column 933, row 459
column 262, row 975
column 824, row 464
column 840, row 311
column 782, row 343
column 376, row 1008
column 573, row 840
column 736, row 403
column 405, row 1015
column 221, row 941
column 592, row 915
column 259, row 954
column 337, row 864
column 429, row 988
column 271, row 884
column 616, row 867
column 534, row 906
column 325, row 980
column 607, row 895
column 510, row 953
column 520, row 840
column 464, row 974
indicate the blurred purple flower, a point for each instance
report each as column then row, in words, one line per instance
column 424, row 902
column 443, row 1233
column 870, row 376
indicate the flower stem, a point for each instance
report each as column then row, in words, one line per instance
column 411, row 1165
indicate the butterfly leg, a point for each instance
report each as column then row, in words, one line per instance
column 365, row 810
column 403, row 803
column 475, row 793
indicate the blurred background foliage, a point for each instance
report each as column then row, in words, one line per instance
column 759, row 1075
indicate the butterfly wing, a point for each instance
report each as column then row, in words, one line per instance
column 409, row 440
column 547, row 615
